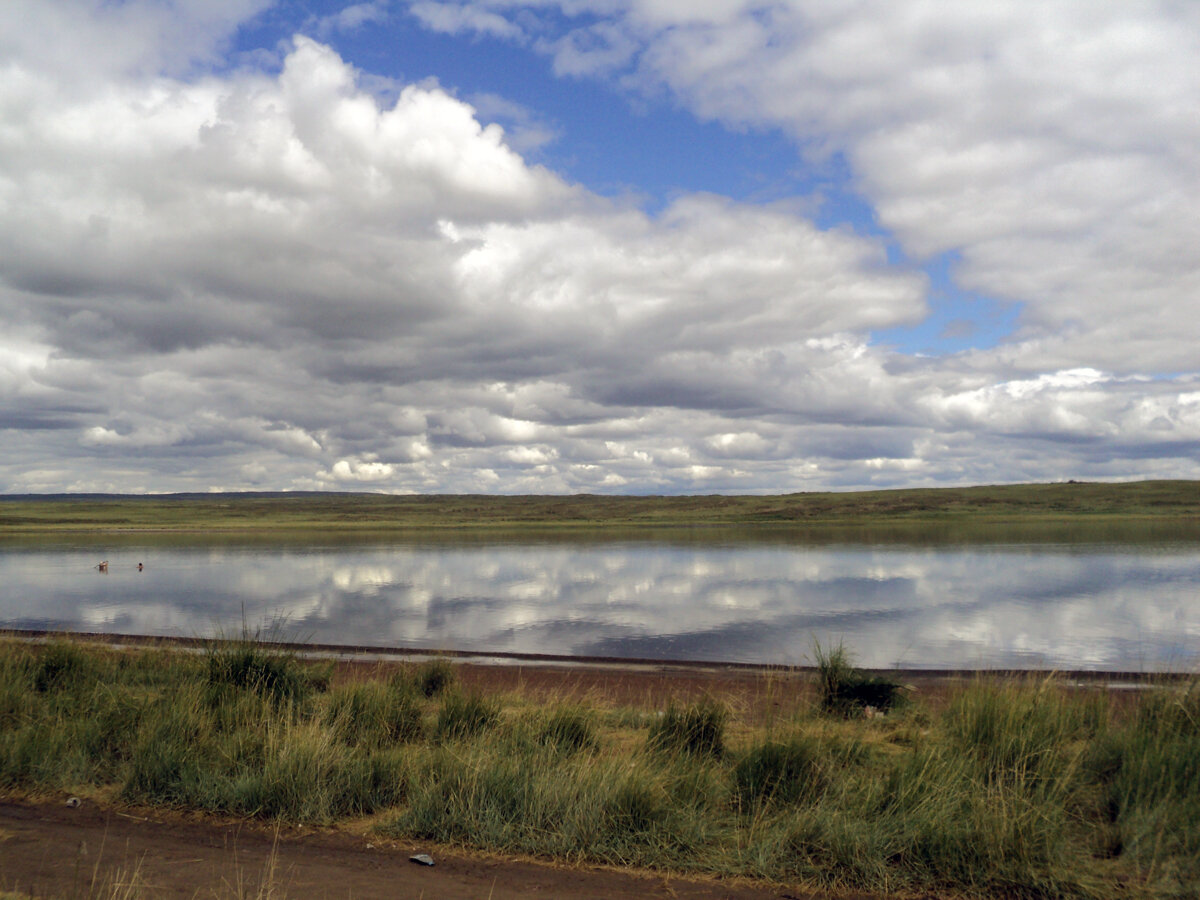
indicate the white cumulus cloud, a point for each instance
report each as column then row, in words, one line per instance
column 230, row 275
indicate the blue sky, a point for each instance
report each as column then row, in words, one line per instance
column 638, row 145
column 610, row 140
column 741, row 245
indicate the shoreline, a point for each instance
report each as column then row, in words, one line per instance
column 382, row 654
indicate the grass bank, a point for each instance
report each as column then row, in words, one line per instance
column 1003, row 789
column 1148, row 501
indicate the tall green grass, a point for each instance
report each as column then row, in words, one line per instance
column 697, row 730
column 844, row 690
column 465, row 716
column 245, row 664
column 1009, row 789
column 374, row 714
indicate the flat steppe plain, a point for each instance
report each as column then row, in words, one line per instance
column 277, row 513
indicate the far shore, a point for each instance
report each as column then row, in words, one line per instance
column 300, row 513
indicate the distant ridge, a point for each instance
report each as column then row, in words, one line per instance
column 275, row 512
column 378, row 495
column 192, row 495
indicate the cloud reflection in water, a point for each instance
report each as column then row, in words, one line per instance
column 991, row 606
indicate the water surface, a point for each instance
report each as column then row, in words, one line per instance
column 1092, row 605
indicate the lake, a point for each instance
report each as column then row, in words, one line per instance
column 1094, row 605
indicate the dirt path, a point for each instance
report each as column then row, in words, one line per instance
column 50, row 850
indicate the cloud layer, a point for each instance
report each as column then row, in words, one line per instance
column 217, row 276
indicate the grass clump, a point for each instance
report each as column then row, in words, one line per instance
column 246, row 665
column 373, row 714
column 430, row 679
column 1021, row 732
column 569, row 730
column 844, row 690
column 465, row 716
column 61, row 665
column 697, row 729
column 779, row 772
column 307, row 776
column 1149, row 772
column 435, row 677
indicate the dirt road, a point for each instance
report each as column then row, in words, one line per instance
column 51, row 850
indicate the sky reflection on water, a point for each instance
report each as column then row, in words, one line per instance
column 1066, row 607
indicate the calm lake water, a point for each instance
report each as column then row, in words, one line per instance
column 1091, row 605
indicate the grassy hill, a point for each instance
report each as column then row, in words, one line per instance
column 347, row 512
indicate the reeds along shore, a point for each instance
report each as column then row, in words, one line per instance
column 1002, row 789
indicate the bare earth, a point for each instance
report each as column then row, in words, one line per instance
column 48, row 849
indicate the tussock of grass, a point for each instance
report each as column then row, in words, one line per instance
column 62, row 666
column 779, row 772
column 434, row 677
column 373, row 714
column 1020, row 789
column 569, row 730
column 246, row 665
column 464, row 716
column 697, row 729
column 845, row 691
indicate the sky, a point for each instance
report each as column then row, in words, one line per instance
column 601, row 246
